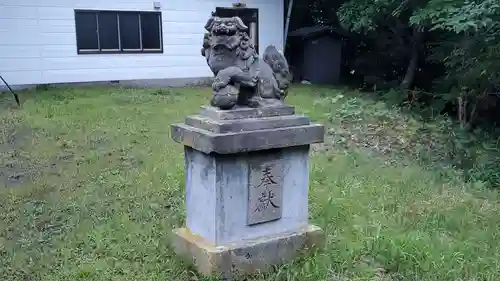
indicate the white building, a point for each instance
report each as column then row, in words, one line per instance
column 68, row 41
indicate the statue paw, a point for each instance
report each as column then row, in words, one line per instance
column 219, row 84
column 225, row 98
column 255, row 80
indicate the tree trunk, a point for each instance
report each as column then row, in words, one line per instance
column 411, row 71
column 461, row 111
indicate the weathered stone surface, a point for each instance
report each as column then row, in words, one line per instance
column 240, row 125
column 246, row 112
column 247, row 163
column 265, row 188
column 217, row 192
column 245, row 257
column 246, row 129
column 242, row 78
column 240, row 142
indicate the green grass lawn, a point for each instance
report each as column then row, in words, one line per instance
column 94, row 185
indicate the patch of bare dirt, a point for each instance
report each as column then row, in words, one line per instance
column 18, row 165
column 7, row 101
column 15, row 163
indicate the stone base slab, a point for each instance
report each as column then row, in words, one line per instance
column 244, row 129
column 246, row 141
column 246, row 112
column 245, row 125
column 248, row 257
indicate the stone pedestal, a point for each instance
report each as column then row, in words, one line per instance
column 247, row 179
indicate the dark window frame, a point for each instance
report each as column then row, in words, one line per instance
column 120, row 49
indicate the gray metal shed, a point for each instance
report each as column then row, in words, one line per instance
column 317, row 54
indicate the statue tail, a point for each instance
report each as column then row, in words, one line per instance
column 277, row 61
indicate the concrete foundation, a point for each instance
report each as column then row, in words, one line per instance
column 144, row 83
column 248, row 256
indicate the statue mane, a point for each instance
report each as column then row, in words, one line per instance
column 244, row 49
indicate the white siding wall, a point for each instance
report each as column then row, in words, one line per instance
column 38, row 41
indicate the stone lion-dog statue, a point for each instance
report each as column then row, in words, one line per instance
column 242, row 78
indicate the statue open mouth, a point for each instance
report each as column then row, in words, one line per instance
column 222, row 48
column 224, row 30
column 225, row 42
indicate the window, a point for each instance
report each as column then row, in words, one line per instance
column 118, row 32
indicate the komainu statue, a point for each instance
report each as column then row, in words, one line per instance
column 242, row 78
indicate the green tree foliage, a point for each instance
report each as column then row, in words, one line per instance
column 463, row 36
column 470, row 51
column 444, row 54
column 458, row 16
column 389, row 18
column 450, row 48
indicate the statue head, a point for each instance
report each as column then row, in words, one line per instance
column 225, row 32
column 225, row 26
column 226, row 43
